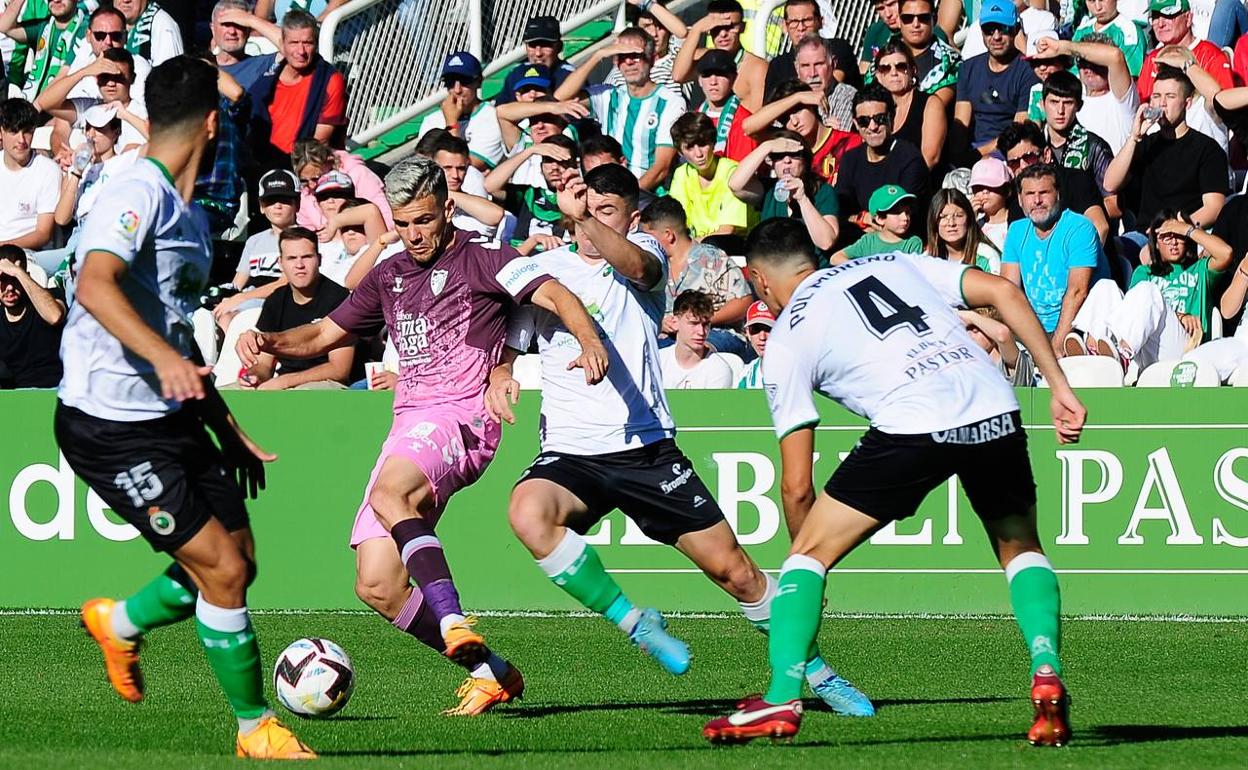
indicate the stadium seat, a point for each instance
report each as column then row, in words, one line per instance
column 1092, row 371
column 528, row 371
column 1178, row 374
column 228, row 364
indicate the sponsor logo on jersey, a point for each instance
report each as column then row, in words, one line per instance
column 398, row 285
column 698, row 501
column 437, row 281
column 978, row 433
column 517, row 274
column 938, row 361
column 682, row 478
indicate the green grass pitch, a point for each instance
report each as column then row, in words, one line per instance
column 951, row 693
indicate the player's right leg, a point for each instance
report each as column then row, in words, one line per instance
column 539, row 510
column 831, row 530
column 383, row 583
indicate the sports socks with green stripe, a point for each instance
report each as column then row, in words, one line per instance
column 759, row 615
column 796, row 612
column 576, row 568
column 167, row 599
column 1037, row 603
column 230, row 644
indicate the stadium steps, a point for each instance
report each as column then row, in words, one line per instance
column 574, row 42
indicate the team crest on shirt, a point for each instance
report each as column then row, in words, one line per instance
column 398, row 285
column 652, row 120
column 437, row 281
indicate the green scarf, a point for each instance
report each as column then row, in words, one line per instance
column 54, row 50
column 139, row 41
column 545, row 209
column 724, row 124
column 1076, row 151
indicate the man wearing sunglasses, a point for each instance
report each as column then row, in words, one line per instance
column 881, row 160
column 1024, row 145
column 1172, row 25
column 51, row 40
column 993, row 88
column 106, row 28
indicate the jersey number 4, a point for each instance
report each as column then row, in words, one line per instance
column 883, row 311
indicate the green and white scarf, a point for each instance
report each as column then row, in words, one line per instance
column 54, row 49
column 1076, row 153
column 139, row 41
column 723, row 124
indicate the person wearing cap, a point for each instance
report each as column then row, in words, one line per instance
column 52, row 40
column 992, row 189
column 464, row 114
column 723, row 24
column 312, row 159
column 892, row 211
column 114, row 74
column 882, row 159
column 1172, row 25
column 759, row 321
column 1128, row 35
column 528, row 121
column 543, row 44
column 81, row 185
column 1109, row 94
column 993, row 88
column 803, row 18
column 1044, row 57
column 716, row 74
column 639, row 114
column 669, row 35
column 700, row 182
column 30, row 181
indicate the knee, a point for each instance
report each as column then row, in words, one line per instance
column 533, row 522
column 379, row 594
column 741, row 578
column 226, row 581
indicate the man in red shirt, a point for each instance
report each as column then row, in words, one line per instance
column 1172, row 25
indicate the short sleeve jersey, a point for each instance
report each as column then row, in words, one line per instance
column 142, row 220
column 641, row 125
column 629, row 409
column 1185, row 289
column 447, row 317
column 710, row 207
column 261, row 259
column 1045, row 263
column 901, row 356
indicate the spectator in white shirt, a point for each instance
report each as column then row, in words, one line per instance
column 106, row 29
column 693, row 362
column 464, row 114
column 31, row 183
column 151, row 32
column 114, row 75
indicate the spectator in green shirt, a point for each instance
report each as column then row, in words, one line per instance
column 778, row 178
column 890, row 210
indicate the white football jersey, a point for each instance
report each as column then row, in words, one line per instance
column 628, row 409
column 879, row 336
column 142, row 220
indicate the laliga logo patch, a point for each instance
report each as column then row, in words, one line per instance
column 128, row 222
column 161, row 522
column 437, row 281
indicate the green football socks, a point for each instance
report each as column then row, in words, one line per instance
column 576, row 568
column 230, row 644
column 1037, row 603
column 162, row 602
column 759, row 615
column 795, row 616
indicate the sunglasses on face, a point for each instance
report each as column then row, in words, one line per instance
column 879, row 119
column 105, row 79
column 885, row 69
column 1155, row 15
column 912, row 18
column 991, row 30
column 779, row 156
column 757, row 328
column 116, row 37
column 450, row 81
column 1026, row 159
column 630, row 56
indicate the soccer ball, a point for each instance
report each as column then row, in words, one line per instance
column 313, row 678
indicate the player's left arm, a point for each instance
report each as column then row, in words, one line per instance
column 627, row 258
column 981, row 289
column 244, row 458
column 555, row 297
column 797, row 490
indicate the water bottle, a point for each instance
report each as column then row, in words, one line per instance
column 781, row 191
column 83, row 156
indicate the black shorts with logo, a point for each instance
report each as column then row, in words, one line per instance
column 886, row 476
column 654, row 485
column 164, row 476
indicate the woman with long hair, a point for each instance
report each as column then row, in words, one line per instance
column 919, row 119
column 312, row 159
column 955, row 235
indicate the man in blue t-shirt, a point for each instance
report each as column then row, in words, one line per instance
column 1054, row 254
column 994, row 87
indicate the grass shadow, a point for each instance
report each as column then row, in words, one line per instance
column 720, row 706
column 1112, row 735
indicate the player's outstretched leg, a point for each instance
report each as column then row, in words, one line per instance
column 118, row 626
column 1037, row 604
column 382, row 582
column 795, row 618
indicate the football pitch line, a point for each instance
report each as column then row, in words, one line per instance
column 1035, row 426
column 540, row 614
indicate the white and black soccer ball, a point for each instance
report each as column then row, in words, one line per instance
column 313, row 678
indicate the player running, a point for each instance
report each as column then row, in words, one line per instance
column 445, row 304
column 132, row 412
column 612, row 445
column 938, row 407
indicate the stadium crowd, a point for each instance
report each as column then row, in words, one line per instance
column 1087, row 151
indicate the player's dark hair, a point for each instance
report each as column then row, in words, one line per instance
column 1166, row 72
column 602, row 144
column 1025, row 131
column 122, row 56
column 724, row 6
column 1064, row 84
column 296, row 233
column 17, row 114
column 448, row 142
column 665, row 212
column 696, row 303
column 180, row 91
column 610, row 179
column 693, row 129
column 872, row 93
column 107, row 10
column 14, row 254
column 781, row 240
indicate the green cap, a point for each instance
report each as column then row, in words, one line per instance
column 886, row 198
column 1169, row 7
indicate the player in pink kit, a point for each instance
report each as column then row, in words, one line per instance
column 445, row 304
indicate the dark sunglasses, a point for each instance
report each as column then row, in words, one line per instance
column 991, row 29
column 116, row 37
column 879, row 119
column 1027, row 158
column 1170, row 16
column 757, row 328
column 775, row 156
column 910, row 18
column 105, row 78
column 885, row 69
column 717, row 31
column 450, row 81
column 630, row 56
